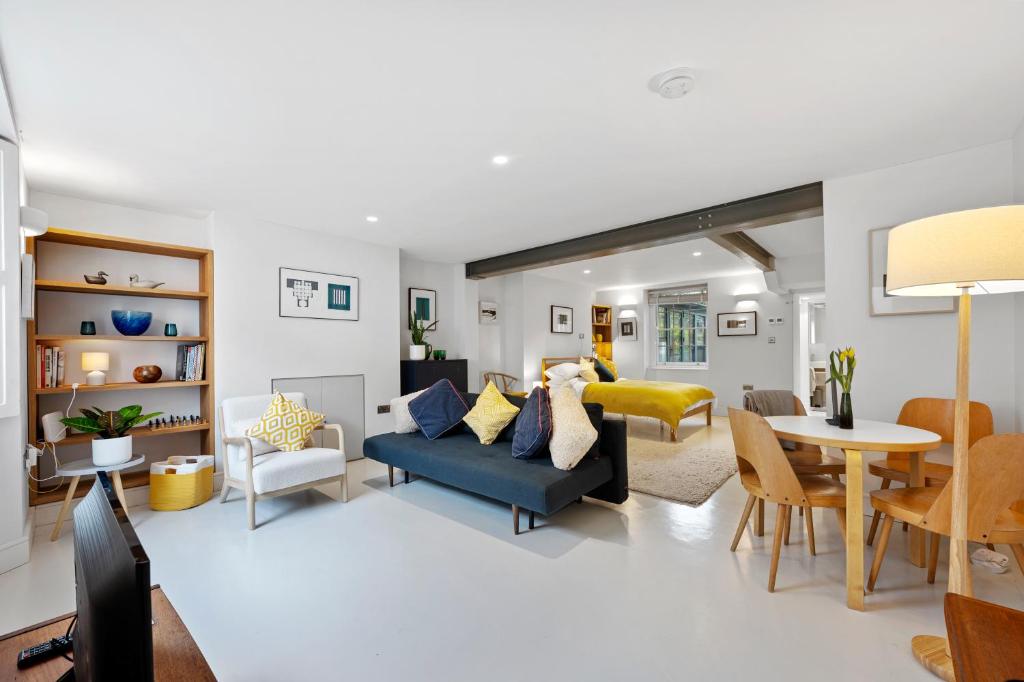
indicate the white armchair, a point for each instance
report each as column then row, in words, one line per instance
column 261, row 472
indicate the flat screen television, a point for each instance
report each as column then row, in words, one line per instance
column 113, row 635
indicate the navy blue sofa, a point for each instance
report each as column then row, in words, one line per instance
column 534, row 485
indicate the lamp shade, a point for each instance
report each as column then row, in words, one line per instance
column 936, row 256
column 92, row 362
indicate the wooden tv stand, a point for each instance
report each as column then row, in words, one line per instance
column 175, row 654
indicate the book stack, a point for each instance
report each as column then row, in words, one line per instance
column 49, row 366
column 191, row 359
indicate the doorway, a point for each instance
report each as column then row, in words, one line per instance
column 810, row 366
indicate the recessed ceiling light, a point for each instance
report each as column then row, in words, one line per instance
column 586, row 272
column 500, row 160
column 372, row 218
column 696, row 253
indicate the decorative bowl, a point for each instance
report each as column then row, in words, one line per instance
column 147, row 374
column 131, row 322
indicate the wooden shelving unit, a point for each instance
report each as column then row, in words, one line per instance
column 203, row 295
column 601, row 327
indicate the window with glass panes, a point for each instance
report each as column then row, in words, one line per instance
column 680, row 325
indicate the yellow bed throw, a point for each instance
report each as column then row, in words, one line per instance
column 664, row 400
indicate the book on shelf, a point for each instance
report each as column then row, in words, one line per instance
column 50, row 361
column 191, row 358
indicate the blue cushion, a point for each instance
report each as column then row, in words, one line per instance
column 438, row 409
column 533, row 425
column 603, row 373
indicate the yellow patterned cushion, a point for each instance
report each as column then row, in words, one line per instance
column 286, row 425
column 587, row 370
column 490, row 415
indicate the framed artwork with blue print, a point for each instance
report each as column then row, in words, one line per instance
column 423, row 302
column 318, row 295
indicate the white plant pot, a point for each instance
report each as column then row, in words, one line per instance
column 110, row 451
column 417, row 352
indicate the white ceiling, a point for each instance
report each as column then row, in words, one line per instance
column 318, row 113
column 797, row 238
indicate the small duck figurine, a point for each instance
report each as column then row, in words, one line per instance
column 99, row 278
column 142, row 283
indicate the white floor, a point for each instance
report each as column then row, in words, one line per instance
column 423, row 582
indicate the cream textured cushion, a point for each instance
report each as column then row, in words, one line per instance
column 587, row 371
column 280, row 470
column 563, row 371
column 285, row 424
column 404, row 423
column 572, row 434
column 490, row 415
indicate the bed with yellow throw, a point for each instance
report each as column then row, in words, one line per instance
column 668, row 401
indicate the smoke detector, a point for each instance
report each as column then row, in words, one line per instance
column 674, row 83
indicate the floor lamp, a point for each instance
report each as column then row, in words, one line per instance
column 960, row 254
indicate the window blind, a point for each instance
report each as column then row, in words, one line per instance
column 678, row 295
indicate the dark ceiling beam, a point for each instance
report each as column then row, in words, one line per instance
column 745, row 248
column 767, row 209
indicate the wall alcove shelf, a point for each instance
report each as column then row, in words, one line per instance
column 601, row 326
column 203, row 296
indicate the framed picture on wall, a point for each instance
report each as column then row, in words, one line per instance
column 488, row 312
column 561, row 319
column 737, row 324
column 627, row 330
column 423, row 302
column 882, row 303
column 318, row 295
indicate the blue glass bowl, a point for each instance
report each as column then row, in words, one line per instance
column 131, row 322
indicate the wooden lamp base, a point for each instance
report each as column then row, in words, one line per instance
column 931, row 652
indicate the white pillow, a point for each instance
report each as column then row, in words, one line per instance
column 259, row 446
column 404, row 423
column 563, row 371
column 572, row 434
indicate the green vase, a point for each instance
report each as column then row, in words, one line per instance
column 846, row 412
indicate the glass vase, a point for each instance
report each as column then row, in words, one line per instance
column 846, row 412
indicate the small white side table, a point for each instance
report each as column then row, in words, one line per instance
column 83, row 467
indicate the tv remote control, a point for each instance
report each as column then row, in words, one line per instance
column 43, row 652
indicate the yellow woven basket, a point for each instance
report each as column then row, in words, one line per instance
column 180, row 482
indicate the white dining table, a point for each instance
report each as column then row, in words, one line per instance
column 866, row 435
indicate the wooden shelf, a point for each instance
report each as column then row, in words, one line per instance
column 116, row 290
column 137, row 432
column 129, row 479
column 60, row 235
column 116, row 337
column 122, row 386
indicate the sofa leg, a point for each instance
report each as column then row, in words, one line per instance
column 406, row 477
column 579, row 500
column 391, row 476
column 515, row 518
column 531, row 520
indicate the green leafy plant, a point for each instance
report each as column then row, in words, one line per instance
column 417, row 330
column 107, row 424
column 842, row 362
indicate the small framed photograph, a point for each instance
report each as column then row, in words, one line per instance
column 488, row 312
column 883, row 303
column 561, row 319
column 627, row 330
column 423, row 302
column 318, row 295
column 737, row 324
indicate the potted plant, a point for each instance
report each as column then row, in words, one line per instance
column 841, row 365
column 114, row 444
column 419, row 350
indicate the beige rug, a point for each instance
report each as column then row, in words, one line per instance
column 676, row 472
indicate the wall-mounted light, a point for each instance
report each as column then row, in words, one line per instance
column 627, row 314
column 34, row 222
column 747, row 300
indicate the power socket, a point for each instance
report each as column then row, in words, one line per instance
column 31, row 457
column 383, row 409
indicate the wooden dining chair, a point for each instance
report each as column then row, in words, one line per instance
column 995, row 481
column 806, row 459
column 935, row 415
column 768, row 476
column 503, row 382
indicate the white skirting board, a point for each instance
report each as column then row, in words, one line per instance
column 17, row 551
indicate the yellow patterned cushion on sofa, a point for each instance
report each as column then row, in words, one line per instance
column 490, row 415
column 286, row 425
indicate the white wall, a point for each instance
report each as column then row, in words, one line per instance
column 440, row 277
column 900, row 357
column 255, row 345
column 732, row 361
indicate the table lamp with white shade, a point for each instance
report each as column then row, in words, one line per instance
column 961, row 254
column 95, row 364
